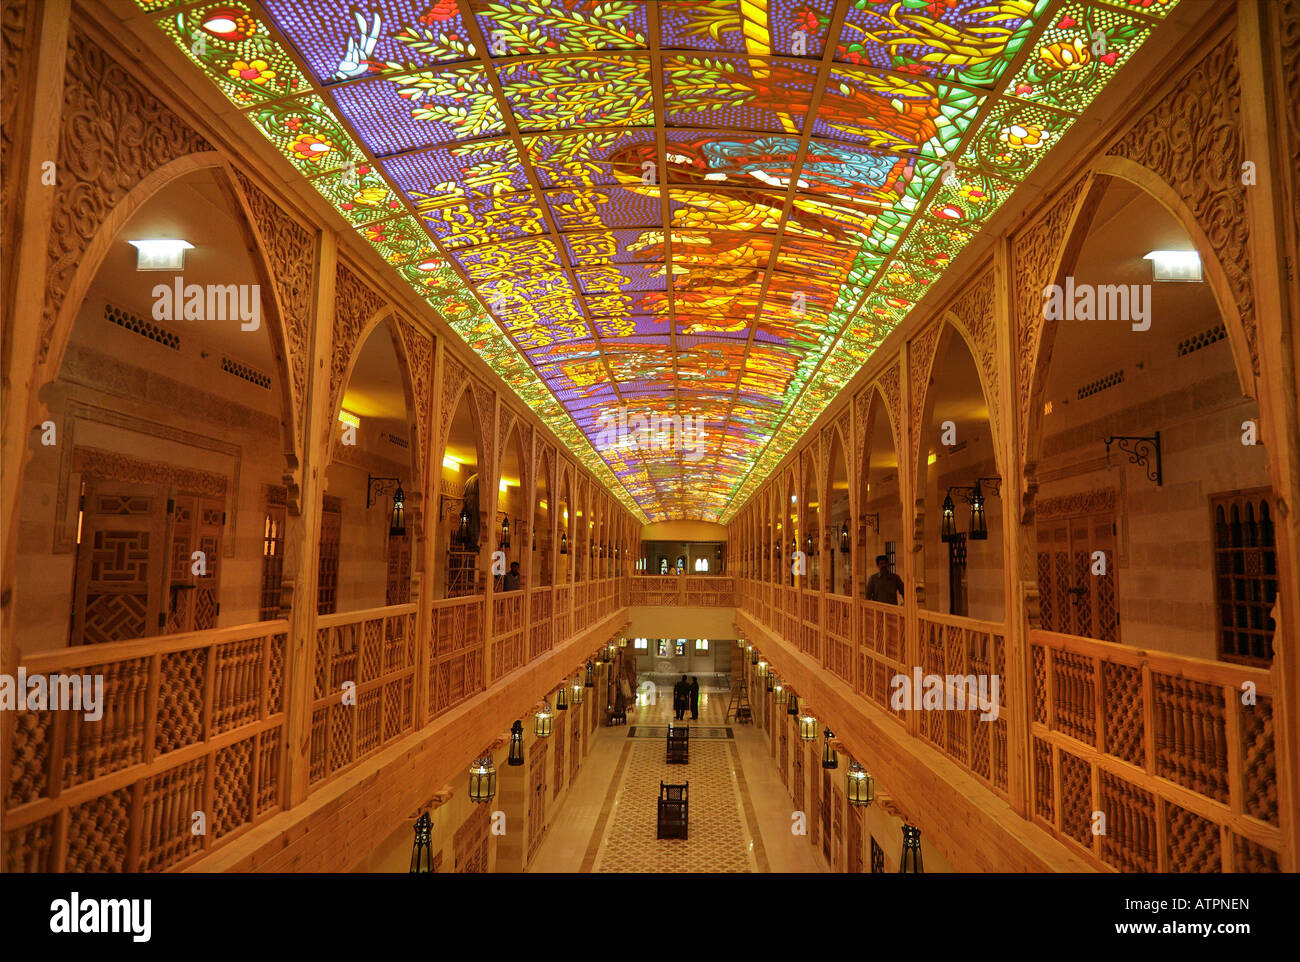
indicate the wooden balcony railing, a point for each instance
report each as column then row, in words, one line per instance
column 364, row 694
column 1175, row 752
column 694, row 591
column 191, row 738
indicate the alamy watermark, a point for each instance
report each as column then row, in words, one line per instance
column 208, row 302
column 55, row 692
column 946, row 693
column 651, row 432
column 1098, row 302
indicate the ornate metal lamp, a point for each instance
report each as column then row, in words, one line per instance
column 979, row 529
column 516, row 756
column 845, row 547
column 376, row 486
column 771, row 681
column 422, row 850
column 780, row 694
column 562, row 698
column 792, row 706
column 860, row 786
column 910, row 859
column 564, row 543
column 482, row 779
column 948, row 521
column 589, row 681
column 829, row 758
column 505, row 532
column 808, row 728
column 578, row 693
column 463, row 525
column 542, row 720
column 753, row 655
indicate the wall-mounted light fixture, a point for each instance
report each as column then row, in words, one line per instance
column 910, row 859
column 808, row 728
column 422, row 850
column 516, row 756
column 829, row 758
column 860, row 786
column 1174, row 265
column 482, row 779
column 845, row 547
column 377, row 486
column 972, row 495
column 564, row 543
column 542, row 720
column 505, row 531
column 1141, row 450
column 160, row 254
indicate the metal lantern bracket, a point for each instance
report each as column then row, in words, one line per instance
column 376, row 486
column 871, row 521
column 967, row 491
column 1142, row 450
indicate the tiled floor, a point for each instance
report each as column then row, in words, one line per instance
column 740, row 814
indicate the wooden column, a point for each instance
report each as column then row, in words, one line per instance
column 907, row 495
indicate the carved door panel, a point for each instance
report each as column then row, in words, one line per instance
column 470, row 843
column 196, row 528
column 559, row 739
column 798, row 774
column 121, row 559
column 1076, row 585
column 837, row 817
column 536, row 797
column 814, row 808
column 877, row 857
column 827, row 829
column 785, row 755
column 575, row 751
column 857, row 854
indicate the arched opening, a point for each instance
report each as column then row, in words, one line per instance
column 788, row 533
column 461, row 504
column 1182, row 561
column 961, row 561
column 810, row 532
column 158, row 486
column 566, row 523
column 838, row 526
column 880, row 517
column 541, row 568
column 512, row 514
column 368, row 515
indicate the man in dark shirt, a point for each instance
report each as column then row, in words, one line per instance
column 512, row 578
column 884, row 586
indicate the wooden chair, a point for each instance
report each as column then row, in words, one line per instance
column 679, row 745
column 674, row 810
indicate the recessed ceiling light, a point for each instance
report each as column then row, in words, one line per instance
column 160, row 254
column 1174, row 265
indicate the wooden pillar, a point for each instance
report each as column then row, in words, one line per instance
column 302, row 528
column 907, row 484
column 1263, row 118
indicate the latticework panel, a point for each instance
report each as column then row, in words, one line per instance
column 1073, row 695
column 237, row 684
column 1044, row 794
column 1121, row 692
column 1076, row 799
column 275, row 675
column 30, row 848
column 269, row 760
column 232, row 788
column 1039, row 657
column 116, row 740
column 319, row 766
column 99, row 833
column 170, row 801
column 1129, row 842
column 1248, row 856
column 1191, row 744
column 369, row 721
column 180, row 700
column 1258, row 767
column 29, row 758
column 1192, row 843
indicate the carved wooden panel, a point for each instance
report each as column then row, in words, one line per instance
column 921, row 352
column 112, row 135
column 290, row 251
column 1192, row 138
column 419, row 355
column 470, row 843
column 355, row 303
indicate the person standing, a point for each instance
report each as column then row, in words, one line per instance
column 884, row 586
column 680, row 696
column 695, row 698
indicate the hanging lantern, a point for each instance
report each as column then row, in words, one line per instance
column 844, row 538
column 829, row 758
column 482, row 779
column 861, row 787
column 622, row 642
column 462, row 532
column 808, row 544
column 780, row 694
column 562, row 698
column 762, row 669
column 948, row 522
column 792, row 706
column 534, row 538
column 516, row 756
column 808, row 728
column 578, row 693
column 542, row 721
column 794, row 543
column 505, row 534
column 753, row 655
column 590, row 682
column 422, row 850
column 910, row 859
column 979, row 529
column 771, row 681
column 397, row 529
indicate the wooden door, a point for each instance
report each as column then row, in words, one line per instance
column 785, row 755
column 814, row 808
column 558, row 736
column 857, row 853
column 798, row 774
column 536, row 797
column 1074, row 599
column 827, row 829
column 575, row 750
column 197, row 525
column 470, row 843
column 121, row 559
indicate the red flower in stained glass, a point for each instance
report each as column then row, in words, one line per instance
column 440, row 12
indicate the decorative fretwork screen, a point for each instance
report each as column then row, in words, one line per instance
column 1245, row 575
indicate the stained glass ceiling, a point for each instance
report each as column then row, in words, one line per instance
column 675, row 229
